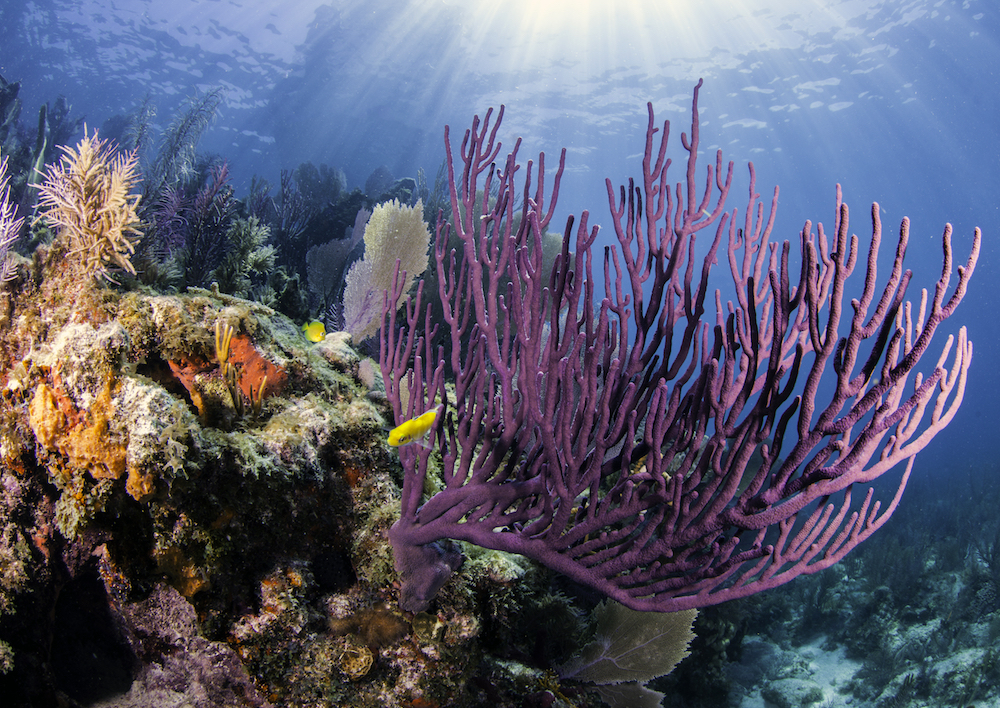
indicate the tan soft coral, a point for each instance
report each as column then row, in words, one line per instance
column 87, row 197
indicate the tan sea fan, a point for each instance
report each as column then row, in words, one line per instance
column 394, row 231
column 87, row 197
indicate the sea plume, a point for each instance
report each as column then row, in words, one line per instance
column 87, row 197
column 10, row 226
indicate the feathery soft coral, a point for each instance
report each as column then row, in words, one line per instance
column 87, row 197
column 10, row 227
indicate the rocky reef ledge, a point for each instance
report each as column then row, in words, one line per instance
column 195, row 501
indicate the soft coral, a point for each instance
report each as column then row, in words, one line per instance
column 87, row 196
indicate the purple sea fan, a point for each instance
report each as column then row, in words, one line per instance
column 610, row 437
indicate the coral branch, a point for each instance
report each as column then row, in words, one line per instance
column 668, row 459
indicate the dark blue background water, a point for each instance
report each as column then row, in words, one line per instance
column 898, row 101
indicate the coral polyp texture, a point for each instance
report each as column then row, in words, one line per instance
column 602, row 425
column 87, row 197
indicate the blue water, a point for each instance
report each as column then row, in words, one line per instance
column 894, row 100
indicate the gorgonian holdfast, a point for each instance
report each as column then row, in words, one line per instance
column 614, row 440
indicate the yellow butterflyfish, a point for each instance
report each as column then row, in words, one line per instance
column 414, row 429
column 314, row 331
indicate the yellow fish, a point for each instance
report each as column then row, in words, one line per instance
column 314, row 331
column 414, row 429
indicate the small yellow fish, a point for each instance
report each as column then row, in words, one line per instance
column 414, row 429
column 314, row 331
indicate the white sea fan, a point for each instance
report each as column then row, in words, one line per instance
column 10, row 227
column 394, row 231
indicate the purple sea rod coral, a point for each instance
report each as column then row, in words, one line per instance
column 664, row 458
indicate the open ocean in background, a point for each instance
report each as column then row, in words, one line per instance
column 898, row 101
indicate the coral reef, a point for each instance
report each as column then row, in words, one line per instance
column 161, row 546
column 908, row 622
column 196, row 499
